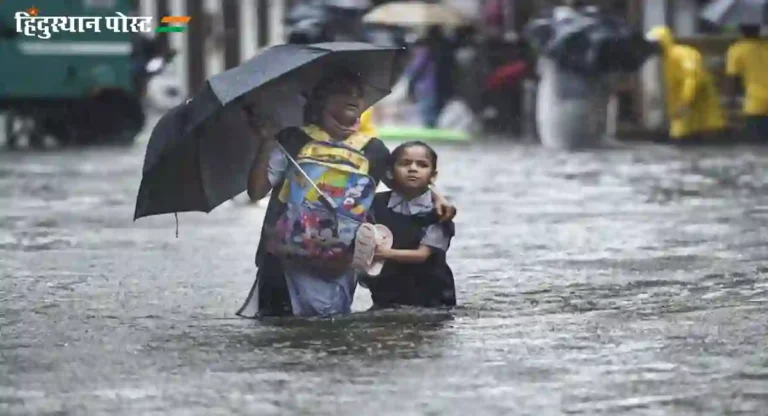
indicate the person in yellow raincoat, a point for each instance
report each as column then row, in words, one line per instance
column 747, row 65
column 693, row 102
column 366, row 125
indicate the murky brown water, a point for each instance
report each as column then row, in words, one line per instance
column 625, row 281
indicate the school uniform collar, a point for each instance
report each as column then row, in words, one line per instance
column 420, row 204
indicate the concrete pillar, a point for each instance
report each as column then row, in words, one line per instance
column 654, row 13
column 653, row 105
column 162, row 8
column 148, row 8
column 276, row 27
column 248, row 45
column 685, row 17
column 179, row 44
column 195, row 59
column 214, row 38
column 262, row 23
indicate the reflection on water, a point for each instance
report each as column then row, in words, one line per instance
column 401, row 334
column 622, row 281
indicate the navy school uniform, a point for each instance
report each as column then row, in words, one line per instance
column 413, row 223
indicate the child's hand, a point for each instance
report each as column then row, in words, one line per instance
column 445, row 211
column 382, row 253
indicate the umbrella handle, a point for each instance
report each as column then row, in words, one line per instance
column 329, row 204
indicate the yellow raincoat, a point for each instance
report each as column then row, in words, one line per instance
column 366, row 123
column 693, row 102
column 748, row 60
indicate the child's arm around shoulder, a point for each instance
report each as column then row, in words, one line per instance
column 437, row 238
column 416, row 256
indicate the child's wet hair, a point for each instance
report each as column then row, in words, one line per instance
column 398, row 151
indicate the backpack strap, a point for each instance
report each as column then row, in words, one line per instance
column 356, row 141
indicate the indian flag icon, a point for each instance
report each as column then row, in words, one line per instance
column 169, row 21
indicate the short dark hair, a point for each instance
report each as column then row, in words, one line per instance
column 328, row 86
column 398, row 151
column 749, row 30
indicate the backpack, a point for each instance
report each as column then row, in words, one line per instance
column 327, row 193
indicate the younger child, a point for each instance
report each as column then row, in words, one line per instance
column 415, row 270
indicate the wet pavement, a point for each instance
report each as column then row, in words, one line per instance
column 622, row 281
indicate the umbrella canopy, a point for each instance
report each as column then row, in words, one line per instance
column 736, row 12
column 506, row 75
column 201, row 152
column 304, row 11
column 590, row 44
column 415, row 14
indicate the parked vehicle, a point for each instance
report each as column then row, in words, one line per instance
column 80, row 88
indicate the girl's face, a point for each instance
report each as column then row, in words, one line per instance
column 414, row 171
column 344, row 104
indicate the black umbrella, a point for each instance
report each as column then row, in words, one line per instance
column 736, row 12
column 570, row 45
column 589, row 44
column 201, row 152
column 303, row 11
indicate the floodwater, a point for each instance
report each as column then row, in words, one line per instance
column 621, row 281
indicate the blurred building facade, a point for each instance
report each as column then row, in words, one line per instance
column 222, row 34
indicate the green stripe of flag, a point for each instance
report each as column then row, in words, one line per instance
column 169, row 29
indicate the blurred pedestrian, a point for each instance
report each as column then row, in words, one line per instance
column 430, row 75
column 503, row 84
column 747, row 66
column 693, row 103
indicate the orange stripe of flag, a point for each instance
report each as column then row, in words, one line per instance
column 176, row 19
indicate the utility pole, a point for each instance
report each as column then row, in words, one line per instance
column 232, row 33
column 196, row 46
column 162, row 8
column 262, row 23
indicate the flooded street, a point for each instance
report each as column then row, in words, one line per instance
column 621, row 281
